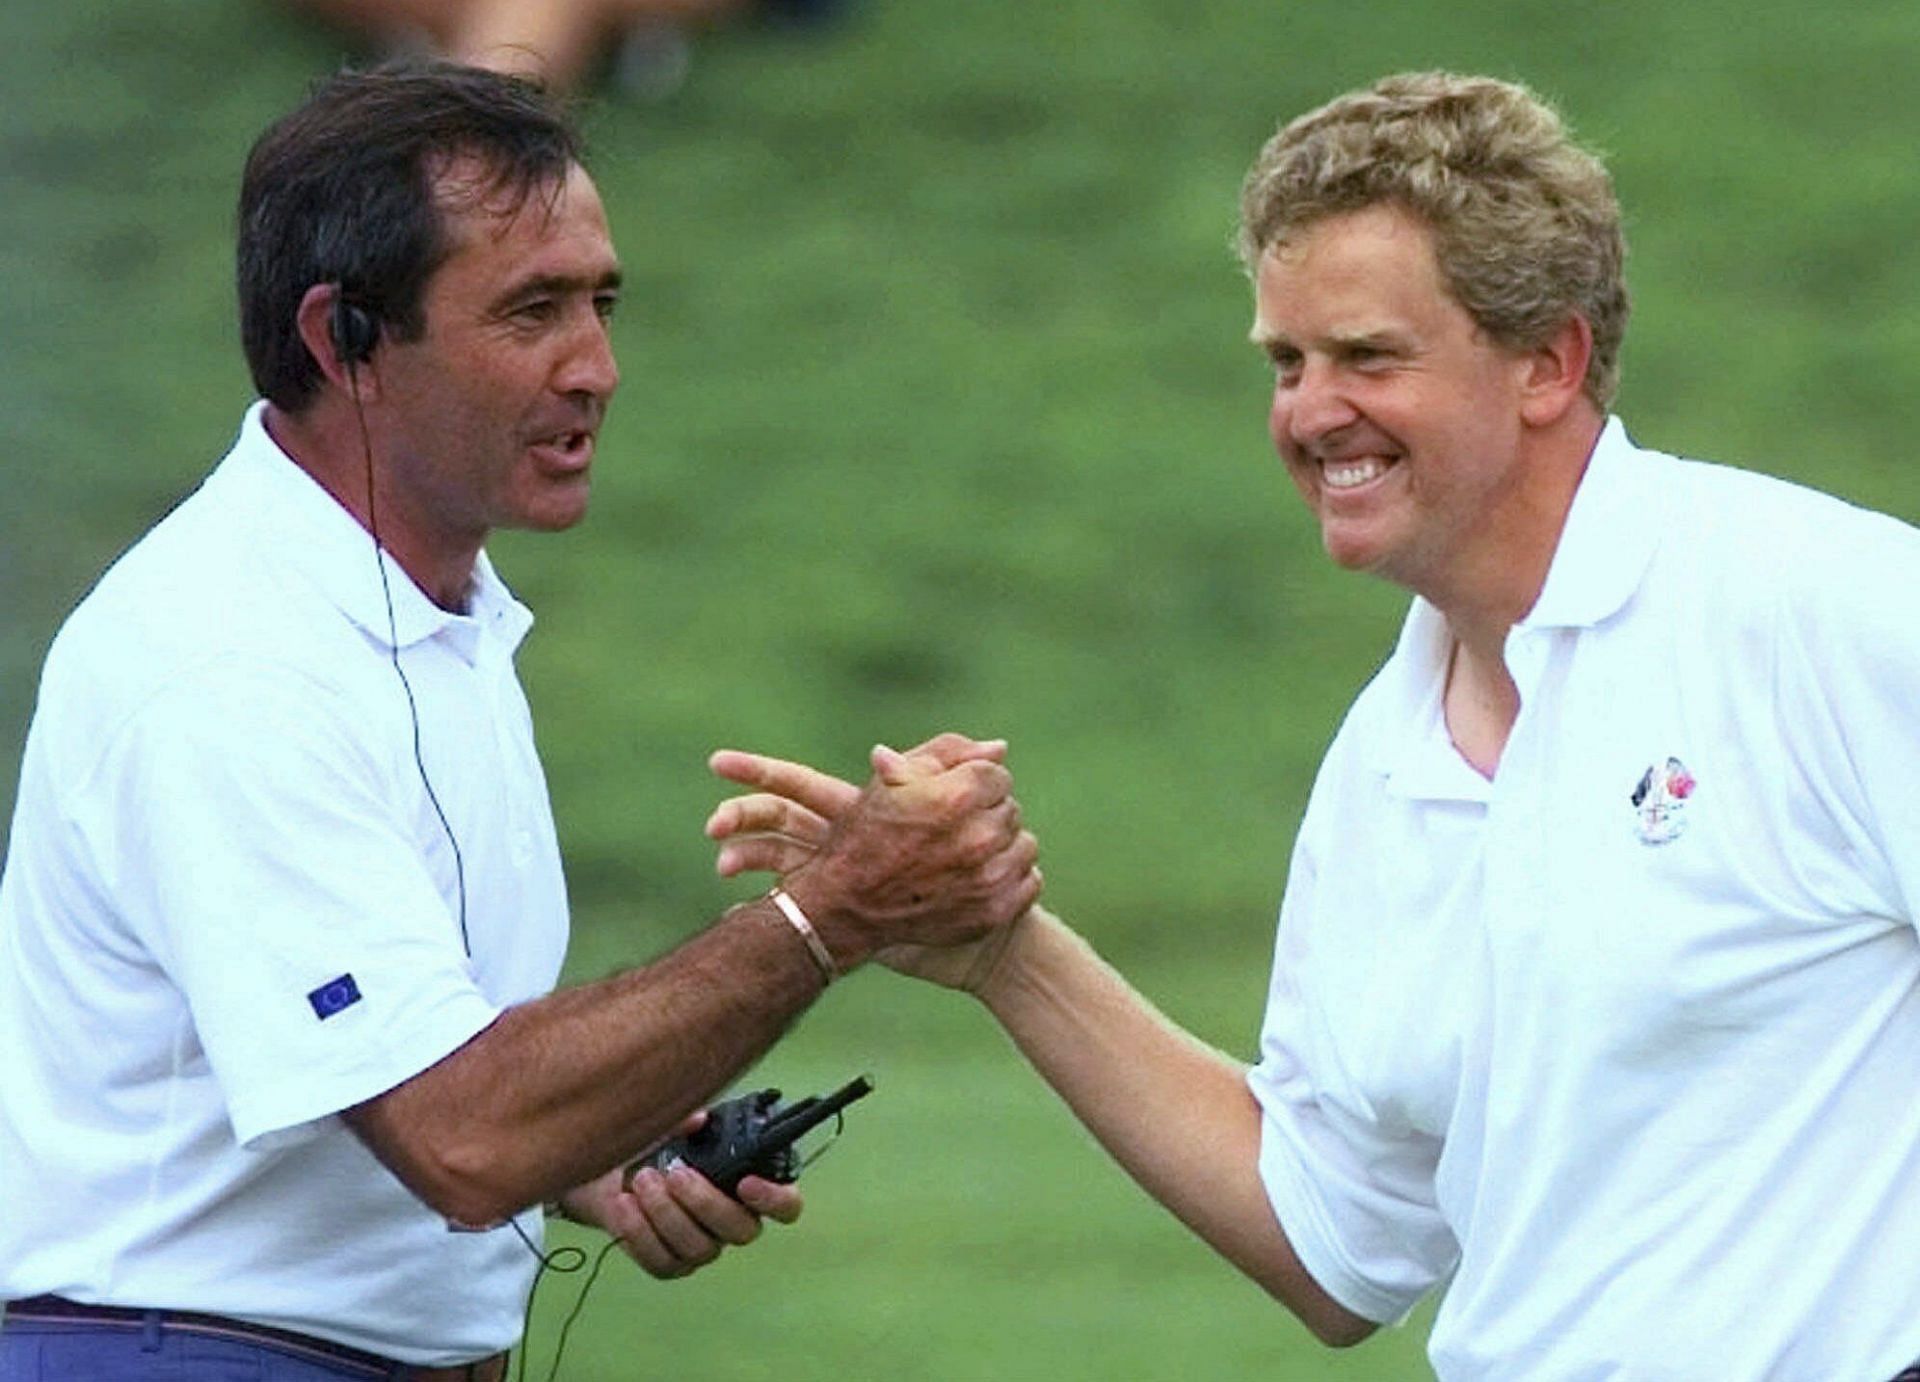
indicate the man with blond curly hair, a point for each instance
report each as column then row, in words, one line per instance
column 1596, row 998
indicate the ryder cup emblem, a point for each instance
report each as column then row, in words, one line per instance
column 1660, row 802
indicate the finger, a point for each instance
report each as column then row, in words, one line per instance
column 955, row 794
column 1017, row 858
column 711, row 1209
column 761, row 854
column 937, row 755
column 763, row 813
column 1028, row 892
column 891, row 766
column 819, row 792
column 658, row 1193
column 645, row 1248
column 978, row 784
column 990, row 832
column 633, row 1224
column 772, row 1200
column 950, row 749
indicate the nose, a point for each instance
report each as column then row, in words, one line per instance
column 1310, row 407
column 588, row 366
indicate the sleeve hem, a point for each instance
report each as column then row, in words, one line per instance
column 287, row 1114
column 1304, row 1221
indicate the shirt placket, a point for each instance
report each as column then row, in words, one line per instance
column 1516, row 904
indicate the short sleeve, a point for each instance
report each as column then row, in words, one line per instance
column 1356, row 1201
column 1849, row 690
column 266, row 858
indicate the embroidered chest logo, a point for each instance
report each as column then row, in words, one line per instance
column 1660, row 802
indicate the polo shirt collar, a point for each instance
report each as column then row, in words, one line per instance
column 1609, row 538
column 306, row 530
column 1414, row 753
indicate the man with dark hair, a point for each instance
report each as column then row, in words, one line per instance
column 1596, row 997
column 284, row 1086
column 347, row 190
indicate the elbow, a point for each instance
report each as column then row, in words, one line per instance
column 1325, row 1318
column 459, row 1175
column 464, row 1180
column 1342, row 1332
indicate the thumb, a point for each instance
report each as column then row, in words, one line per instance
column 890, row 765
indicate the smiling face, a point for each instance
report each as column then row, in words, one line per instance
column 489, row 419
column 1399, row 421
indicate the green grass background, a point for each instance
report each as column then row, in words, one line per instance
column 938, row 413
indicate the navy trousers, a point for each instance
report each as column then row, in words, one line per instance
column 51, row 1351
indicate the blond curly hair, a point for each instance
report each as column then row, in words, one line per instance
column 1526, row 228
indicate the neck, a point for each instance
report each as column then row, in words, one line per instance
column 1500, row 578
column 327, row 441
column 1481, row 703
column 1483, row 604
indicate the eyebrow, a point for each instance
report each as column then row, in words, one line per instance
column 1381, row 337
column 539, row 284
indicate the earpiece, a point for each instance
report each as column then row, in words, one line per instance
column 356, row 331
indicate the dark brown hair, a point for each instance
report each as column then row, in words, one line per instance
column 345, row 190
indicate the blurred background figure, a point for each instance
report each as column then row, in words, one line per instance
column 643, row 46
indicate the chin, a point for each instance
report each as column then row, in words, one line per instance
column 555, row 522
column 1351, row 551
column 1379, row 544
column 554, row 511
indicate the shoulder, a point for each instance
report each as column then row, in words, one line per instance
column 1734, row 551
column 1789, row 590
column 191, row 641
column 1774, row 531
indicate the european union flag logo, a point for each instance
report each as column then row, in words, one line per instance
column 334, row 996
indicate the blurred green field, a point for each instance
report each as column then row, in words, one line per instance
column 938, row 413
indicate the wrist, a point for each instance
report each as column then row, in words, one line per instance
column 796, row 917
column 999, row 969
column 842, row 943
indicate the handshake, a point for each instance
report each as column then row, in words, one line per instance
column 927, row 868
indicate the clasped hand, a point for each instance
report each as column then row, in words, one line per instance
column 931, row 855
column 927, row 868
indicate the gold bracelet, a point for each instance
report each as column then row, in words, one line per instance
column 815, row 946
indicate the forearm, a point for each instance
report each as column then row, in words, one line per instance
column 1176, row 1114
column 559, row 1090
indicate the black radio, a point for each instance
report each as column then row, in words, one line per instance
column 752, row 1135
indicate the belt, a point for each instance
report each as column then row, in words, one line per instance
column 59, row 1310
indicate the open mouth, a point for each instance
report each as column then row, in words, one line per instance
column 566, row 451
column 1353, row 473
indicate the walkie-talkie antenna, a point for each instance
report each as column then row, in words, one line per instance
column 791, row 1124
column 750, row 1135
column 786, row 1127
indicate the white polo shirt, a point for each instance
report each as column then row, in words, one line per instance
column 1623, row 1047
column 229, row 911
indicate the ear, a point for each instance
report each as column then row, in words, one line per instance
column 1554, row 374
column 314, row 319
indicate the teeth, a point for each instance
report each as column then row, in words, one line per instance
column 1348, row 474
